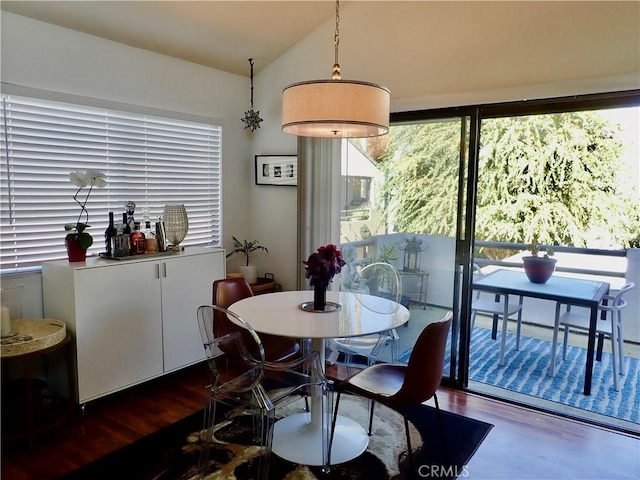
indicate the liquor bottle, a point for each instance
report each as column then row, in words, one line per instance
column 137, row 240
column 130, row 208
column 122, row 243
column 109, row 236
column 161, row 236
column 150, row 244
column 126, row 228
column 126, row 236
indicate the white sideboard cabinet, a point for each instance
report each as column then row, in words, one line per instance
column 132, row 319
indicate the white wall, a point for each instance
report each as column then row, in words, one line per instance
column 44, row 56
column 312, row 58
column 47, row 57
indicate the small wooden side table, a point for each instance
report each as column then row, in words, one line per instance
column 34, row 343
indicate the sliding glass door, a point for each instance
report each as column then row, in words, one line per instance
column 404, row 202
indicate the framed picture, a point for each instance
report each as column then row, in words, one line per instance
column 277, row 170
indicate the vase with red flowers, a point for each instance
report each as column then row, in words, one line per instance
column 320, row 268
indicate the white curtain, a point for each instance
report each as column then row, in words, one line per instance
column 318, row 197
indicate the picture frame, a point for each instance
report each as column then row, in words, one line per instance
column 277, row 170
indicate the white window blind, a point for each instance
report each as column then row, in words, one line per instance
column 149, row 160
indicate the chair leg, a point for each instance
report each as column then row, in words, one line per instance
column 371, row 405
column 409, row 449
column 333, row 426
column 614, row 353
column 565, row 342
column 207, row 433
column 620, row 343
column 268, row 420
column 443, row 437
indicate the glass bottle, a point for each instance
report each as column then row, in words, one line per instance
column 137, row 240
column 160, row 235
column 150, row 244
column 109, row 236
column 122, row 245
column 126, row 227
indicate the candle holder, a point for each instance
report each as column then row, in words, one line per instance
column 11, row 300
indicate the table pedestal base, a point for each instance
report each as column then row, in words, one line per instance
column 296, row 439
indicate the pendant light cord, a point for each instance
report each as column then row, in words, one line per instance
column 335, row 75
column 251, row 65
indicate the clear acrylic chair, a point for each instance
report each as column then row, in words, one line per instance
column 379, row 279
column 241, row 377
column 612, row 305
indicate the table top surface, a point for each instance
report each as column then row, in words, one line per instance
column 280, row 314
column 557, row 287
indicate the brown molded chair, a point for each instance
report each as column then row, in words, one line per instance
column 228, row 291
column 401, row 386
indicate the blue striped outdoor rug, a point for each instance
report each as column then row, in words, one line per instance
column 525, row 371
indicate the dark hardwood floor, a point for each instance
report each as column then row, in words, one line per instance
column 523, row 444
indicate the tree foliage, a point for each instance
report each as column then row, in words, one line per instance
column 551, row 178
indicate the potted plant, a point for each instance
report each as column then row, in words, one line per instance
column 78, row 240
column 246, row 248
column 539, row 268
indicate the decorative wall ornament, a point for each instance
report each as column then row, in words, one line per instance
column 251, row 118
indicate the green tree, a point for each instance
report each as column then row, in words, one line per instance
column 420, row 167
column 551, row 178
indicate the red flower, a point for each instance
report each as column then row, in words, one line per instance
column 323, row 265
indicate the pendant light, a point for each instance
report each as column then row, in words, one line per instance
column 252, row 119
column 335, row 108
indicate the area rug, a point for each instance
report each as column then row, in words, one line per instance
column 525, row 371
column 173, row 453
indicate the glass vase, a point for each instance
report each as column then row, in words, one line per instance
column 319, row 297
column 176, row 224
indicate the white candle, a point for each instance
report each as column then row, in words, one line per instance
column 6, row 322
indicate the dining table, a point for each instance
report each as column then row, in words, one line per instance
column 298, row 437
column 563, row 290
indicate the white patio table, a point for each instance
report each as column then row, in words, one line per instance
column 562, row 290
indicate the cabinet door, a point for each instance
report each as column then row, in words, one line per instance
column 186, row 284
column 118, row 327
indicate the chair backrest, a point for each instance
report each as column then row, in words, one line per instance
column 426, row 363
column 616, row 302
column 379, row 279
column 226, row 292
column 235, row 360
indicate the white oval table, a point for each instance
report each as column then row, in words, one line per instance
column 298, row 437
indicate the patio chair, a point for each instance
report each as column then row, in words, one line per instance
column 612, row 306
column 242, row 378
column 401, row 386
column 495, row 308
column 380, row 279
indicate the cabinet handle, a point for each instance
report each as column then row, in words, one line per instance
column 157, row 270
column 164, row 270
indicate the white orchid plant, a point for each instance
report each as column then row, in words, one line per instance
column 90, row 178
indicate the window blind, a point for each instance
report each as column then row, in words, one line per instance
column 149, row 160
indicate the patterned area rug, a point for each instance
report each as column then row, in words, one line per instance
column 172, row 453
column 525, row 371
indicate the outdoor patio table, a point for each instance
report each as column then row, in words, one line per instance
column 562, row 290
column 298, row 437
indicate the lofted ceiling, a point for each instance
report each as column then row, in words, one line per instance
column 413, row 47
column 219, row 34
